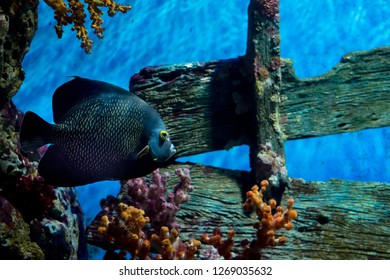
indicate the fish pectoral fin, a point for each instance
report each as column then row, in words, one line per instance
column 143, row 152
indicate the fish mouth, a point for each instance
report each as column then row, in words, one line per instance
column 172, row 151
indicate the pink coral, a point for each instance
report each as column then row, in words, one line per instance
column 148, row 195
column 152, row 197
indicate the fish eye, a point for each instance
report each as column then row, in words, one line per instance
column 164, row 135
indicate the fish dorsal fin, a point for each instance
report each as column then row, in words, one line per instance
column 75, row 91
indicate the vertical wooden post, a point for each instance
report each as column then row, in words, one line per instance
column 263, row 67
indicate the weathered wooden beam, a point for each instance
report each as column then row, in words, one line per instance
column 263, row 70
column 262, row 61
column 206, row 105
column 354, row 95
column 336, row 219
column 257, row 100
column 201, row 103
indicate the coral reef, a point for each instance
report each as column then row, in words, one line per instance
column 132, row 223
column 152, row 197
column 73, row 12
column 124, row 232
column 11, row 161
column 266, row 226
column 38, row 221
column 15, row 235
column 18, row 23
column 224, row 247
column 171, row 247
column 60, row 231
column 268, row 223
column 142, row 220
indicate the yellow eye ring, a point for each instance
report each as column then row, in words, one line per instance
column 164, row 135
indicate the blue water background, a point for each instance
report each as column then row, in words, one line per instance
column 315, row 34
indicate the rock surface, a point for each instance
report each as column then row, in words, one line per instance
column 37, row 221
column 18, row 23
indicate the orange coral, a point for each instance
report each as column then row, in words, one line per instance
column 74, row 13
column 77, row 9
column 271, row 218
column 268, row 223
column 60, row 14
column 224, row 247
column 125, row 231
column 172, row 248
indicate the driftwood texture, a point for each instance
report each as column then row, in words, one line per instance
column 219, row 104
column 206, row 105
column 336, row 219
column 354, row 95
column 201, row 104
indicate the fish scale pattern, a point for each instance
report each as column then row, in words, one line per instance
column 109, row 129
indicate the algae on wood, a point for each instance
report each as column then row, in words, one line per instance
column 206, row 108
column 354, row 95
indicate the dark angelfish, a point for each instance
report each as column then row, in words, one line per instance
column 102, row 132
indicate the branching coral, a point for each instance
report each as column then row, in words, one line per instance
column 49, row 217
column 224, row 247
column 128, row 229
column 171, row 247
column 152, row 197
column 268, row 223
column 121, row 226
column 73, row 12
column 266, row 226
column 124, row 231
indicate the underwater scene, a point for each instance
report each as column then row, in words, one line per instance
column 230, row 129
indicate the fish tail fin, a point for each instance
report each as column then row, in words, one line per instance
column 34, row 132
